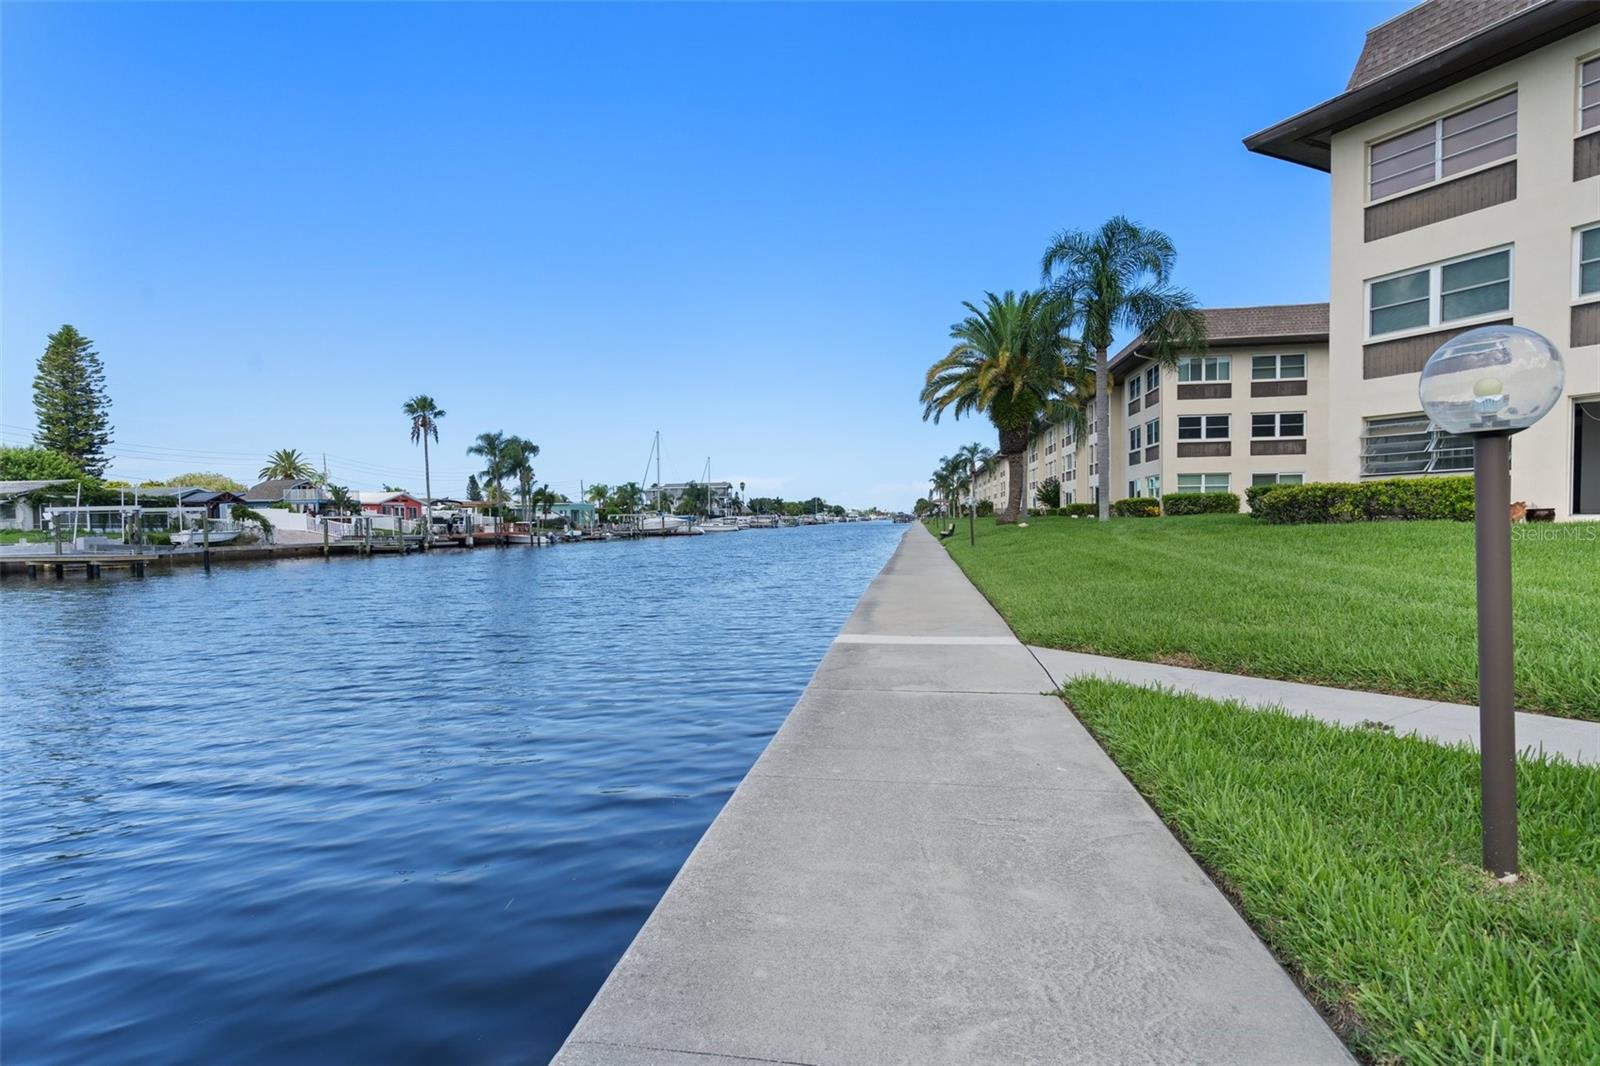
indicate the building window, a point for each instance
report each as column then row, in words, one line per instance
column 1589, row 94
column 1066, row 496
column 1202, row 482
column 1133, row 390
column 1410, row 444
column 1277, row 479
column 1203, row 368
column 1588, row 269
column 1152, row 431
column 1152, row 378
column 1277, row 367
column 1134, row 443
column 1276, row 426
column 1133, row 488
column 1444, row 147
column 1202, row 427
column 1454, row 291
column 1152, row 487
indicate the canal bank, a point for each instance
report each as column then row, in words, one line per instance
column 934, row 862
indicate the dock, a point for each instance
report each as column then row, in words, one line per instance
column 933, row 862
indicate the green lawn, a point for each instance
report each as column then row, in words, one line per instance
column 1355, row 855
column 1386, row 606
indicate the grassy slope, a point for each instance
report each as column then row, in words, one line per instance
column 1354, row 854
column 1382, row 606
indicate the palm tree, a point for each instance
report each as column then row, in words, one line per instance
column 491, row 448
column 1007, row 363
column 597, row 494
column 627, row 498
column 1119, row 277
column 286, row 463
column 970, row 457
column 425, row 415
column 519, row 457
column 340, row 501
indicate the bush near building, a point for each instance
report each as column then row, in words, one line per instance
column 1075, row 510
column 985, row 508
column 1177, row 503
column 1137, row 507
column 1341, row 501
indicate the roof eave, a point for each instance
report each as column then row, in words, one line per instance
column 1306, row 138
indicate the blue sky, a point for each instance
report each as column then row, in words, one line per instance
column 747, row 226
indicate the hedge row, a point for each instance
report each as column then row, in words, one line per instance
column 1448, row 498
column 1200, row 503
column 1136, row 507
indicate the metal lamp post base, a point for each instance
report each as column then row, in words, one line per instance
column 1491, row 454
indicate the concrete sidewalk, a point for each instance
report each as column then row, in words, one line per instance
column 934, row 863
column 1447, row 723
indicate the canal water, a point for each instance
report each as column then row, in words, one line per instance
column 387, row 810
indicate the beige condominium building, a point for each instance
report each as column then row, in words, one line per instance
column 1464, row 157
column 1251, row 410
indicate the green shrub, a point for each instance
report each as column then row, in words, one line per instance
column 1136, row 507
column 158, row 537
column 985, row 508
column 1200, row 503
column 1048, row 494
column 1078, row 510
column 1449, row 498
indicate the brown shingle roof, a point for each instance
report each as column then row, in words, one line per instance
column 1423, row 30
column 1226, row 326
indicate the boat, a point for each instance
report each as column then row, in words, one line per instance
column 195, row 538
column 720, row 525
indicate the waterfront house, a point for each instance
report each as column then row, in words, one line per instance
column 576, row 514
column 401, row 505
column 298, row 494
column 17, row 506
column 1464, row 165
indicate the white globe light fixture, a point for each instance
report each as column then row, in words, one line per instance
column 1495, row 379
column 1487, row 384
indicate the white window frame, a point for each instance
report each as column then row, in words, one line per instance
column 1577, row 112
column 1578, row 295
column 1277, row 479
column 1227, row 484
column 1133, row 487
column 1437, row 122
column 1277, row 367
column 1135, row 438
column 1152, row 377
column 1277, row 425
column 1152, row 432
column 1152, row 486
column 1223, row 364
column 1435, row 272
column 1443, row 453
column 1133, row 389
column 1205, row 427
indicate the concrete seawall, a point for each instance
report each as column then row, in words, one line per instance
column 933, row 862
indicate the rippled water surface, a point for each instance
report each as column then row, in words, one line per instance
column 386, row 810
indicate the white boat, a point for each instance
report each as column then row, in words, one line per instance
column 663, row 525
column 720, row 525
column 195, row 538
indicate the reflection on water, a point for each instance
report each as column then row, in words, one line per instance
column 378, row 810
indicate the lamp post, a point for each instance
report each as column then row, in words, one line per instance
column 1487, row 384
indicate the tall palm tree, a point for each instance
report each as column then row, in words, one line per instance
column 425, row 415
column 970, row 457
column 491, row 448
column 627, row 498
column 1119, row 277
column 1007, row 363
column 597, row 494
column 286, row 463
column 519, row 456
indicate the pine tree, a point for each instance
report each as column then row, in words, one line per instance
column 69, row 399
column 474, row 491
